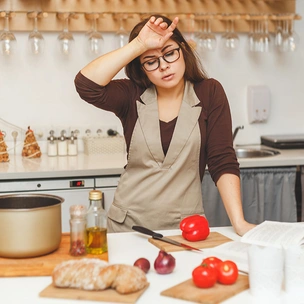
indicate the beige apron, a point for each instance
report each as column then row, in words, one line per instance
column 157, row 191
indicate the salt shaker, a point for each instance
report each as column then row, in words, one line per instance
column 62, row 144
column 77, row 230
column 72, row 146
column 52, row 144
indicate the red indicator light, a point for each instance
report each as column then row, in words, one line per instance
column 77, row 183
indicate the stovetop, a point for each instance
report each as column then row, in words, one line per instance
column 284, row 141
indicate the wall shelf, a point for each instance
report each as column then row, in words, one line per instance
column 189, row 11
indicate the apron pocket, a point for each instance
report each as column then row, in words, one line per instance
column 117, row 214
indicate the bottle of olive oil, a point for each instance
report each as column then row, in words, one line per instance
column 96, row 228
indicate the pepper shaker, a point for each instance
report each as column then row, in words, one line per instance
column 77, row 230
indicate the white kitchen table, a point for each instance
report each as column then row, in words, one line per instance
column 126, row 248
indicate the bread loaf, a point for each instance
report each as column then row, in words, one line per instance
column 95, row 274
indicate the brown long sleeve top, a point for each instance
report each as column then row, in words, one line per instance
column 217, row 151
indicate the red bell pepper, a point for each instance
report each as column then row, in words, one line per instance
column 195, row 228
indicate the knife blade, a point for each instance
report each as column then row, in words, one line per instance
column 159, row 236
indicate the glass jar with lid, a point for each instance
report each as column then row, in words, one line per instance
column 77, row 230
column 52, row 144
column 62, row 144
column 72, row 144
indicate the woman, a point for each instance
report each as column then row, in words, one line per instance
column 175, row 120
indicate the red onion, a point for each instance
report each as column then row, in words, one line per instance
column 164, row 263
column 143, row 264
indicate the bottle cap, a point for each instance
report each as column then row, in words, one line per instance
column 78, row 210
column 52, row 136
column 62, row 136
column 72, row 138
column 95, row 195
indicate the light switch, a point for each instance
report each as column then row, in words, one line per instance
column 258, row 103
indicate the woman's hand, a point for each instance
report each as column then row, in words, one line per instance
column 156, row 32
column 153, row 35
column 242, row 228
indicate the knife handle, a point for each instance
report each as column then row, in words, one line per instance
column 147, row 231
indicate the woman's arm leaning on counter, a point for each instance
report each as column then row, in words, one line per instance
column 230, row 190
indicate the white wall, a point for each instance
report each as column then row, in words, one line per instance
column 40, row 91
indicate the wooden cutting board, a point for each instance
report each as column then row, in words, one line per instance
column 43, row 265
column 214, row 295
column 108, row 295
column 213, row 239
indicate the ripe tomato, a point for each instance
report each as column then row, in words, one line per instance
column 212, row 261
column 227, row 272
column 204, row 276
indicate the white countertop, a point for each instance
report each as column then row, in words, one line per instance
column 287, row 157
column 112, row 164
column 126, row 248
column 62, row 166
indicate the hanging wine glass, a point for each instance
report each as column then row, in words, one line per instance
column 255, row 35
column 94, row 43
column 230, row 40
column 190, row 35
column 66, row 39
column 200, row 36
column 265, row 37
column 36, row 41
column 278, row 36
column 251, row 36
column 290, row 37
column 122, row 35
column 294, row 39
column 208, row 39
column 8, row 40
column 258, row 36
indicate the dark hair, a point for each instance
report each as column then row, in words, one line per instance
column 194, row 71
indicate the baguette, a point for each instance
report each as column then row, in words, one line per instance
column 95, row 274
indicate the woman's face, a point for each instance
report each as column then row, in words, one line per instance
column 167, row 65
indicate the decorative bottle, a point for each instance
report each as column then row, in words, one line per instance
column 96, row 236
column 77, row 230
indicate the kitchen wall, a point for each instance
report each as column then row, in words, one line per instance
column 39, row 91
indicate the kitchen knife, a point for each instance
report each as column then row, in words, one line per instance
column 159, row 236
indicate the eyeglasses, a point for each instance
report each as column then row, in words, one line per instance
column 169, row 57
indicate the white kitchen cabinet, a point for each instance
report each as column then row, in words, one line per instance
column 267, row 194
column 74, row 191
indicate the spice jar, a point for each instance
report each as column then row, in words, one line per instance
column 52, row 144
column 62, row 144
column 96, row 236
column 77, row 230
column 72, row 146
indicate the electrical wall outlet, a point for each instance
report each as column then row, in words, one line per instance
column 258, row 103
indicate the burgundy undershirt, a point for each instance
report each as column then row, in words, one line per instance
column 166, row 133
